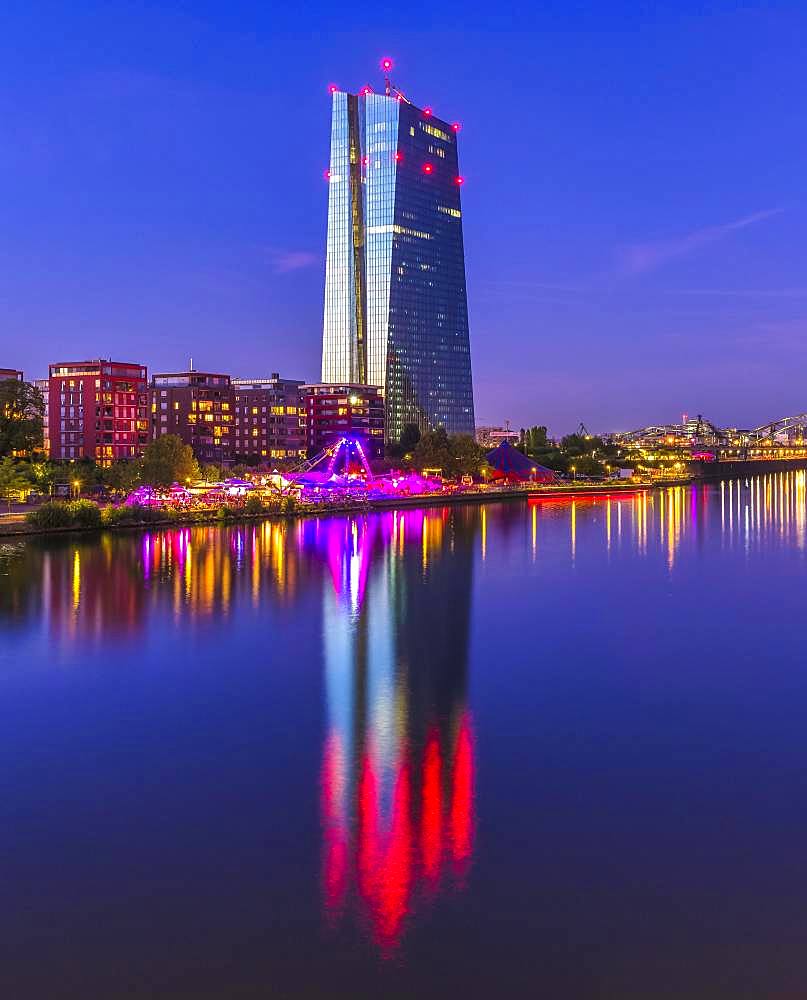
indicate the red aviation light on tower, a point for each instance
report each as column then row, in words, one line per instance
column 365, row 90
column 386, row 64
column 398, row 156
column 428, row 168
column 459, row 181
column 332, row 88
column 428, row 112
column 326, row 174
column 456, row 126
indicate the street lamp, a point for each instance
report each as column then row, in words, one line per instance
column 574, row 474
column 76, row 486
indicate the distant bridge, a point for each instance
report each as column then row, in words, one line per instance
column 704, row 433
column 794, row 426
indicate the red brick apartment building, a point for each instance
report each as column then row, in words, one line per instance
column 199, row 407
column 334, row 410
column 269, row 419
column 97, row 409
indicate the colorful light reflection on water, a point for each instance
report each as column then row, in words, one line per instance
column 373, row 755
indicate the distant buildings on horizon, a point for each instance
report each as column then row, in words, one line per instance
column 109, row 410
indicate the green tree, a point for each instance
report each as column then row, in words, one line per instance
column 587, row 465
column 406, row 444
column 212, row 473
column 12, row 480
column 123, row 475
column 455, row 454
column 433, row 451
column 410, row 438
column 86, row 471
column 45, row 475
column 537, row 441
column 573, row 445
column 22, row 411
column 468, row 458
column 168, row 460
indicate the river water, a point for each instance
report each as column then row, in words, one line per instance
column 553, row 749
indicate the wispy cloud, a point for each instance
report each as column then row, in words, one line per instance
column 286, row 261
column 638, row 258
column 538, row 286
column 776, row 337
column 744, row 293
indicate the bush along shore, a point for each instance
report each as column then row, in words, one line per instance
column 84, row 515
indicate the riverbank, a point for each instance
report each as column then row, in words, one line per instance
column 21, row 527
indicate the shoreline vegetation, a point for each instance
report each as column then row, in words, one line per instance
column 57, row 517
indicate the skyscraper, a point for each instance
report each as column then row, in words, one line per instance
column 396, row 313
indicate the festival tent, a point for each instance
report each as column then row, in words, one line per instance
column 512, row 465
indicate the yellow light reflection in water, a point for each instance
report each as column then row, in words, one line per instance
column 188, row 568
column 205, row 571
column 256, row 568
column 76, row 580
column 671, row 519
column 424, row 536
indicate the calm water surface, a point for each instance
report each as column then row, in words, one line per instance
column 548, row 750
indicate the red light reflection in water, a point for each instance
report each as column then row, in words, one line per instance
column 432, row 818
column 384, row 853
column 461, row 825
column 390, row 854
column 335, row 874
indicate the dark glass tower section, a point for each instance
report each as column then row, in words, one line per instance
column 396, row 312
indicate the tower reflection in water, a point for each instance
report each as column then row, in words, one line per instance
column 398, row 757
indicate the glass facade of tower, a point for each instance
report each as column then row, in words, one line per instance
column 396, row 312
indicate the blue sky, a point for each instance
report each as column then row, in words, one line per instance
column 634, row 206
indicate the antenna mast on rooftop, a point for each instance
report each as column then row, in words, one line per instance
column 386, row 66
